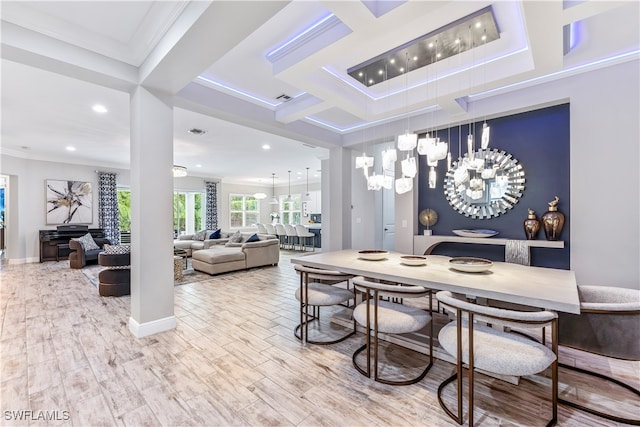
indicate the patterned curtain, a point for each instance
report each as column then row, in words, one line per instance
column 108, row 218
column 212, row 205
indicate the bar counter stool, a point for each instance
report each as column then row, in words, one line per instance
column 495, row 351
column 318, row 288
column 388, row 317
column 281, row 233
column 292, row 236
column 271, row 229
column 303, row 237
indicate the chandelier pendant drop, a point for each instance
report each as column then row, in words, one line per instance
column 433, row 177
column 484, row 141
column 407, row 141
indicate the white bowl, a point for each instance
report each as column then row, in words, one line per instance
column 373, row 255
column 470, row 264
column 475, row 233
column 413, row 260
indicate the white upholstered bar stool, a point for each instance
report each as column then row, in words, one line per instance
column 261, row 228
column 378, row 315
column 292, row 236
column 271, row 229
column 492, row 350
column 320, row 288
column 303, row 237
column 281, row 233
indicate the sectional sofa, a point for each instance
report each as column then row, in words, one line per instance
column 237, row 255
column 194, row 242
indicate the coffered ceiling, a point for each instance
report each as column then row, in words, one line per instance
column 257, row 72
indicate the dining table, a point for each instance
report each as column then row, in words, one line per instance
column 546, row 288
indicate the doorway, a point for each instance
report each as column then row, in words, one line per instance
column 388, row 218
column 4, row 181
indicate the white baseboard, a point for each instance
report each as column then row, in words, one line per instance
column 140, row 330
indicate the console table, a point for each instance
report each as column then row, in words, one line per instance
column 54, row 244
column 424, row 245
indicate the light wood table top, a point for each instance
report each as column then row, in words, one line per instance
column 547, row 288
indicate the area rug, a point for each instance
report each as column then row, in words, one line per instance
column 188, row 276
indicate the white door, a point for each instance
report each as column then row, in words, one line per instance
column 388, row 220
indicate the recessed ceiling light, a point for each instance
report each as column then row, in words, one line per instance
column 99, row 108
column 266, row 147
column 198, row 166
column 70, row 148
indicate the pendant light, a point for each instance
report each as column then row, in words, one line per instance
column 273, row 200
column 307, row 196
column 289, row 199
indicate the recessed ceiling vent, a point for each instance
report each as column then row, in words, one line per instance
column 283, row 98
column 308, row 145
column 196, row 131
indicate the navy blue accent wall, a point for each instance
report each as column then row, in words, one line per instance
column 539, row 140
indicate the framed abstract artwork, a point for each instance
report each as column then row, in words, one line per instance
column 68, row 202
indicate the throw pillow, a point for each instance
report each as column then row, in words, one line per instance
column 200, row 235
column 87, row 242
column 236, row 238
column 216, row 234
column 253, row 238
column 117, row 249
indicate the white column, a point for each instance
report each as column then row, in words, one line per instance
column 336, row 200
column 151, row 213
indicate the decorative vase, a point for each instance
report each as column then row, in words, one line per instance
column 531, row 225
column 553, row 220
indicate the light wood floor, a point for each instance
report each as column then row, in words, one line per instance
column 232, row 360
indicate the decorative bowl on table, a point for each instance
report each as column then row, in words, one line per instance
column 470, row 264
column 373, row 255
column 478, row 232
column 413, row 260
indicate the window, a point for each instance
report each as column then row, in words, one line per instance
column 188, row 216
column 124, row 209
column 243, row 211
column 188, row 212
column 290, row 211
